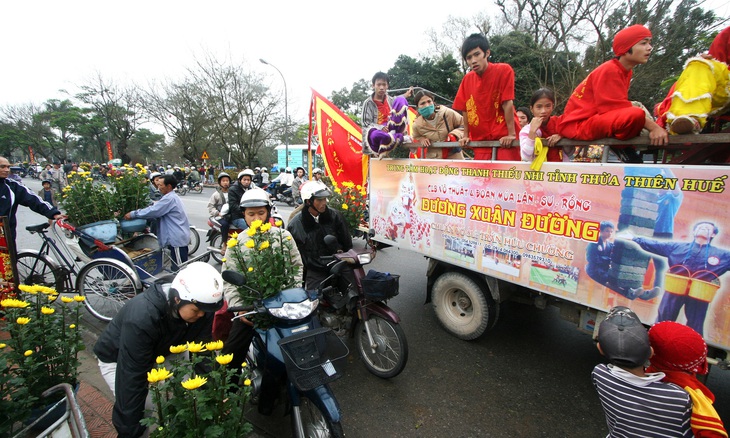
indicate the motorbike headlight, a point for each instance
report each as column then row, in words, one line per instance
column 295, row 310
column 364, row 259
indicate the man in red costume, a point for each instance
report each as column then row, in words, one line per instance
column 485, row 100
column 599, row 107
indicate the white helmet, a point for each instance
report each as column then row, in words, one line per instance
column 245, row 172
column 201, row 284
column 263, row 168
column 154, row 175
column 255, row 198
column 256, row 169
column 287, row 170
column 315, row 189
column 169, row 167
column 317, row 170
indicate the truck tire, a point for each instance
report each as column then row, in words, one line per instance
column 462, row 307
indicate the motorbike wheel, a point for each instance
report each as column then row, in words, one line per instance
column 197, row 188
column 194, row 242
column 314, row 423
column 216, row 242
column 389, row 354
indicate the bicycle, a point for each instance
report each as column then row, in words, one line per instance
column 107, row 275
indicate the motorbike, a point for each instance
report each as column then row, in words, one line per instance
column 294, row 355
column 195, row 186
column 355, row 306
column 280, row 196
column 182, row 188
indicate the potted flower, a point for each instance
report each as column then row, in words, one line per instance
column 351, row 201
column 191, row 403
column 41, row 349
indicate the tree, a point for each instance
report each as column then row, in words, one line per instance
column 146, row 146
column 32, row 130
column 350, row 101
column 121, row 108
column 66, row 119
column 439, row 75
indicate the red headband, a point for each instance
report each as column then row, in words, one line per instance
column 626, row 38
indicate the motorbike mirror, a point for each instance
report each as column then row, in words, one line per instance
column 233, row 277
column 371, row 233
column 331, row 242
column 337, row 268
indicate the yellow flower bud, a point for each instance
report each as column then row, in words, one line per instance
column 224, row 359
column 3, row 345
column 224, row 259
column 79, row 298
column 234, row 235
column 278, row 223
column 247, row 382
column 177, row 349
column 28, row 353
column 214, row 345
column 66, row 299
column 72, row 326
column 231, row 243
column 22, row 320
column 345, row 206
column 160, row 360
column 265, row 244
column 47, row 310
column 250, row 269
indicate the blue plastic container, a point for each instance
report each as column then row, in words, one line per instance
column 106, row 231
column 133, row 225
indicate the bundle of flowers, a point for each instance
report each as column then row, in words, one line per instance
column 41, row 351
column 351, row 201
column 267, row 264
column 189, row 403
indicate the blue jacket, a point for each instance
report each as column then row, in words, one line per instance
column 174, row 229
column 13, row 194
column 692, row 256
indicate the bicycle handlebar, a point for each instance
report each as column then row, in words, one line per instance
column 66, row 226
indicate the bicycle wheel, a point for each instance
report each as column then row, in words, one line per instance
column 314, row 423
column 36, row 269
column 107, row 285
column 388, row 354
column 215, row 242
column 194, row 243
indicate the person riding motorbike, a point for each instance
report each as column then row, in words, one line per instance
column 311, row 225
column 257, row 176
column 155, row 194
column 166, row 314
column 317, row 174
column 299, row 179
column 218, row 205
column 285, row 180
column 264, row 176
column 242, row 185
column 193, row 176
column 254, row 205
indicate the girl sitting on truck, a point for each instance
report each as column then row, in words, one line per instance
column 545, row 125
column 436, row 123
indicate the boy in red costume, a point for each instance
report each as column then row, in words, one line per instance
column 485, row 100
column 681, row 353
column 599, row 107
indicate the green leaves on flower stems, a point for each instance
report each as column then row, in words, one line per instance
column 86, row 201
column 351, row 201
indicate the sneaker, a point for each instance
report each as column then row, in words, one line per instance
column 650, row 294
column 684, row 125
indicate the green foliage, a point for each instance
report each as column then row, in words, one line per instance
column 350, row 101
column 42, row 350
column 130, row 190
column 440, row 75
column 193, row 404
column 86, row 201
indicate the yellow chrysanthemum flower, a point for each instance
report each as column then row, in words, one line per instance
column 256, row 224
column 288, row 237
column 234, row 235
column 47, row 310
column 337, row 190
column 345, row 207
column 250, row 243
column 177, row 349
column 13, row 303
column 224, row 359
column 247, row 382
column 278, row 223
column 265, row 227
column 52, row 298
column 250, row 269
column 25, row 288
column 363, row 193
column 160, row 360
column 265, row 244
column 89, row 179
column 231, row 243
column 196, row 347
column 251, row 232
column 359, row 187
column 194, row 383
column 28, row 353
column 22, row 320
column 244, row 365
column 213, row 346
column 79, row 298
column 66, row 299
column 158, row 375
column 224, row 259
column 3, row 346
column 72, row 326
column 348, row 184
column 46, row 290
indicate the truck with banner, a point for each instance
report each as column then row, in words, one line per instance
column 583, row 236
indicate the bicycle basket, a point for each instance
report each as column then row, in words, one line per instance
column 379, row 286
column 311, row 357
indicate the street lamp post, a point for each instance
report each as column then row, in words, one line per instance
column 286, row 113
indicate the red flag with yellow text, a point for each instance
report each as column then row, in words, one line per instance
column 340, row 143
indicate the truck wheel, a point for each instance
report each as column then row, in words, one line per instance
column 462, row 307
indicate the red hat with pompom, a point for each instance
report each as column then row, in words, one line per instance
column 677, row 348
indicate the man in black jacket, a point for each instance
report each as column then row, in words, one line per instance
column 13, row 194
column 147, row 326
column 234, row 198
column 311, row 225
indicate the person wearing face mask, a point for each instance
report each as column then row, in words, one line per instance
column 436, row 123
column 697, row 260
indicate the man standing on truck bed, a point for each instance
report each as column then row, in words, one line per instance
column 486, row 87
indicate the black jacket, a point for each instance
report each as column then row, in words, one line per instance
column 142, row 330
column 13, row 194
column 234, row 201
column 309, row 236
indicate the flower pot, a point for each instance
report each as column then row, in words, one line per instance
column 106, row 231
column 133, row 225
